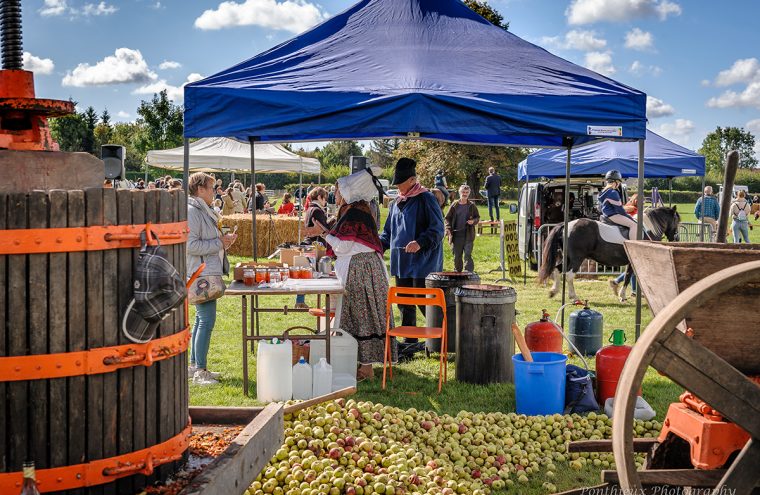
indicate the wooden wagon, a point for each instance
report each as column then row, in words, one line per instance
column 705, row 338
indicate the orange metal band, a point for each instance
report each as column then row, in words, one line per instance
column 103, row 470
column 93, row 361
column 96, row 238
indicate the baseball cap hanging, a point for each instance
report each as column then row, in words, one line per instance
column 158, row 290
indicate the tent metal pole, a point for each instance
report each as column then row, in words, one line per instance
column 185, row 167
column 564, row 230
column 640, row 232
column 300, row 199
column 528, row 230
column 670, row 191
column 252, row 140
column 702, row 217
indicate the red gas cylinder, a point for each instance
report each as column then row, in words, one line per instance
column 543, row 335
column 609, row 365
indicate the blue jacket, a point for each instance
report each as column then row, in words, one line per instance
column 416, row 219
column 712, row 208
column 608, row 209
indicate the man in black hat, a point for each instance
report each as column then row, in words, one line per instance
column 414, row 233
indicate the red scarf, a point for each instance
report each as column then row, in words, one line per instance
column 416, row 190
column 356, row 223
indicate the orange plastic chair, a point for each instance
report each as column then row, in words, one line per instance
column 405, row 295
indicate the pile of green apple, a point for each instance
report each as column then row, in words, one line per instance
column 362, row 448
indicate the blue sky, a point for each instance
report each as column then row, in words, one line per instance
column 699, row 60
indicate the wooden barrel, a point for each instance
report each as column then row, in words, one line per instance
column 484, row 333
column 72, row 300
column 446, row 281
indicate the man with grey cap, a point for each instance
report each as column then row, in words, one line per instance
column 414, row 233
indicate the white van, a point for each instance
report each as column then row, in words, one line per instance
column 735, row 192
column 540, row 208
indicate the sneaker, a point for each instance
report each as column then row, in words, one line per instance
column 302, row 305
column 614, row 287
column 193, row 368
column 203, row 377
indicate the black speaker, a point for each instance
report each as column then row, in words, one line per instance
column 113, row 158
column 358, row 163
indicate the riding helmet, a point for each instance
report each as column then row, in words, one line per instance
column 613, row 175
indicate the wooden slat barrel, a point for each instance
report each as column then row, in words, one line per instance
column 65, row 302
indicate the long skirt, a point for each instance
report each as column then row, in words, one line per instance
column 364, row 303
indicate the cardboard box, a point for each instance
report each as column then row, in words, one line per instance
column 287, row 254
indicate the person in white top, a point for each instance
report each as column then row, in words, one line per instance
column 355, row 243
column 740, row 210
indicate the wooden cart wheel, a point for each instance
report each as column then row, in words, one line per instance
column 700, row 371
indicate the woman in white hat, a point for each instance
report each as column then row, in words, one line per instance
column 355, row 243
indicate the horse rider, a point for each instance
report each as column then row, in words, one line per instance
column 612, row 204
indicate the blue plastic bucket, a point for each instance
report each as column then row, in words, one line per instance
column 540, row 385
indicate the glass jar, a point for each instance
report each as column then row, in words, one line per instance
column 249, row 276
column 294, row 272
column 261, row 274
column 284, row 273
column 274, row 276
column 305, row 272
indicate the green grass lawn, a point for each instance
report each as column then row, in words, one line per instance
column 415, row 383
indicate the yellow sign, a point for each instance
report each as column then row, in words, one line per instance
column 511, row 252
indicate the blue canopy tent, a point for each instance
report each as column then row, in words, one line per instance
column 428, row 69
column 663, row 159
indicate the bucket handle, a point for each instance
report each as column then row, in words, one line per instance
column 536, row 369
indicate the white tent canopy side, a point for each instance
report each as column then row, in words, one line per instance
column 232, row 155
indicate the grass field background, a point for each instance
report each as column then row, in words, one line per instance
column 415, row 382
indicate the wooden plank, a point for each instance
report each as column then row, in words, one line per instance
column 125, row 292
column 744, row 474
column 57, row 305
column 94, row 298
column 712, row 379
column 138, row 382
column 245, row 457
column 38, row 332
column 152, row 389
column 639, row 445
column 76, row 337
column 213, row 415
column 111, row 322
column 4, row 424
column 698, row 478
column 344, row 392
column 17, row 339
column 168, row 415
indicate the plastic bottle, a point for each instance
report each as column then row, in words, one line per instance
column 321, row 378
column 302, row 387
column 274, row 373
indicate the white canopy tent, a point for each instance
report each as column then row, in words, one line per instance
column 232, row 155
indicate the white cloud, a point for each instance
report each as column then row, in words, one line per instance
column 101, row 8
column 124, row 66
column 743, row 71
column 290, row 15
column 638, row 68
column 658, row 108
column 157, row 6
column 169, row 64
column 636, row 39
column 749, row 97
column 600, row 62
column 576, row 40
column 54, row 7
column 705, row 82
column 678, row 131
column 40, row 66
column 123, row 115
column 591, row 11
column 175, row 93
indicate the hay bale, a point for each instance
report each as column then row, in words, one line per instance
column 271, row 231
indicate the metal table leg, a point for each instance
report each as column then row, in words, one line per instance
column 328, row 327
column 244, row 313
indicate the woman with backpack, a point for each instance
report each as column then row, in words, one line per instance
column 740, row 210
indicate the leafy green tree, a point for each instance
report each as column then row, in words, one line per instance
column 69, row 131
column 129, row 134
column 724, row 139
column 162, row 123
column 488, row 13
column 90, row 118
column 462, row 163
column 381, row 152
column 338, row 153
column 103, row 131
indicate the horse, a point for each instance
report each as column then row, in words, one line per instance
column 603, row 243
